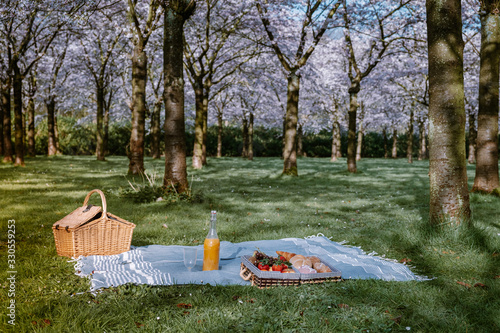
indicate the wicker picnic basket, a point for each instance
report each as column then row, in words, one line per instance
column 92, row 230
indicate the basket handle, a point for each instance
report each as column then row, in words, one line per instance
column 243, row 269
column 103, row 199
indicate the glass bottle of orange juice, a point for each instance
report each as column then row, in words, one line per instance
column 211, row 246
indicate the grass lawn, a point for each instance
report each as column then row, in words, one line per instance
column 383, row 209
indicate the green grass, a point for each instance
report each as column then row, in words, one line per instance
column 383, row 208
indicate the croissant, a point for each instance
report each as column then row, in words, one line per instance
column 286, row 255
column 321, row 268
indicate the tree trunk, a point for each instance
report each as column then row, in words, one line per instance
column 422, row 148
column 31, row 127
column 384, row 138
column 156, row 130
column 18, row 115
column 394, row 143
column 359, row 145
column 106, row 129
column 449, row 195
column 139, row 81
column 56, row 134
column 205, row 128
column 50, row 104
column 219, row 135
column 300, row 135
column 339, row 140
column 409, row 142
column 351, row 134
column 334, row 142
column 487, row 179
column 244, row 134
column 472, row 137
column 7, row 141
column 361, row 132
column 198, row 125
column 250, row 137
column 100, row 149
column 175, row 140
column 292, row 115
column 1, row 119
column 283, row 138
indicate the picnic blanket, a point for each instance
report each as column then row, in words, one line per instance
column 163, row 265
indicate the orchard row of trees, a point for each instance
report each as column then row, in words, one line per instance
column 298, row 65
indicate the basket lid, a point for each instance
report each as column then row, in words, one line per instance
column 78, row 217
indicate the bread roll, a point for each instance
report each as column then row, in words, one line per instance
column 296, row 257
column 301, row 262
column 321, row 268
column 306, row 270
column 314, row 259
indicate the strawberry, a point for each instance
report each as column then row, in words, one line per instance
column 263, row 267
column 277, row 268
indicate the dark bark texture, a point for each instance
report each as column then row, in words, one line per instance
column 292, row 115
column 250, row 137
column 334, row 142
column 409, row 142
column 175, row 141
column 100, row 147
column 394, row 151
column 449, row 195
column 51, row 132
column 219, row 135
column 486, row 179
column 18, row 115
column 156, row 130
column 351, row 131
column 198, row 128
column 7, row 122
column 139, row 80
column 31, row 127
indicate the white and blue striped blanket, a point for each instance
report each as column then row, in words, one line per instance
column 163, row 265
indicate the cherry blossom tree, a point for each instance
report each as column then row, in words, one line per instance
column 52, row 76
column 381, row 27
column 101, row 48
column 309, row 31
column 25, row 32
column 213, row 50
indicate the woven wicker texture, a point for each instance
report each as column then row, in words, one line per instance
column 90, row 230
